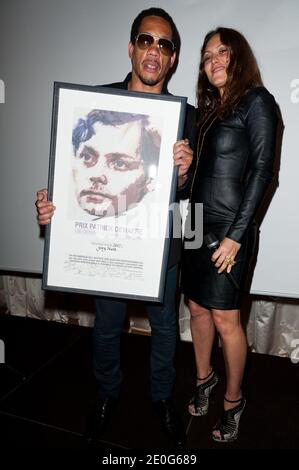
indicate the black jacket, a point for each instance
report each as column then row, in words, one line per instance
column 234, row 163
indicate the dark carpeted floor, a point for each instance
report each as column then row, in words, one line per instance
column 47, row 390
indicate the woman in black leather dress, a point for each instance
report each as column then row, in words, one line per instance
column 233, row 168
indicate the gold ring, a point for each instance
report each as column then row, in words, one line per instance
column 228, row 259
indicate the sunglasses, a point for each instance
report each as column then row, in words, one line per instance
column 146, row 40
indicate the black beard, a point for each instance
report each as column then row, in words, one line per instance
column 148, row 82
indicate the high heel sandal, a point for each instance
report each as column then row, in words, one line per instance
column 228, row 425
column 200, row 399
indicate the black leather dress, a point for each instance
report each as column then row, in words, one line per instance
column 233, row 169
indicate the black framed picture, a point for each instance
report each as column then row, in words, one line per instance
column 112, row 180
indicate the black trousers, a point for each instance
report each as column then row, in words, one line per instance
column 109, row 322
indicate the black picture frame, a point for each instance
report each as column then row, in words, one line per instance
column 93, row 245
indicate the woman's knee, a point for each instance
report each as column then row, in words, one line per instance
column 197, row 311
column 226, row 321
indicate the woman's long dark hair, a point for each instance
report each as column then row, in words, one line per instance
column 242, row 74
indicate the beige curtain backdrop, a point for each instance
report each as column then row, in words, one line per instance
column 272, row 327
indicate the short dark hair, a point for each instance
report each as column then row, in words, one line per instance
column 150, row 140
column 175, row 37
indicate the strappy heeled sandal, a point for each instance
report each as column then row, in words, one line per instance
column 199, row 403
column 228, row 425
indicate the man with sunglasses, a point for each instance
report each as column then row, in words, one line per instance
column 153, row 48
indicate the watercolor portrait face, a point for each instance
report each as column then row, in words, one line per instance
column 115, row 161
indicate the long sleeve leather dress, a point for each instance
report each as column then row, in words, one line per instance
column 233, row 168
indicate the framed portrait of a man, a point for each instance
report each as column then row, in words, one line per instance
column 112, row 180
